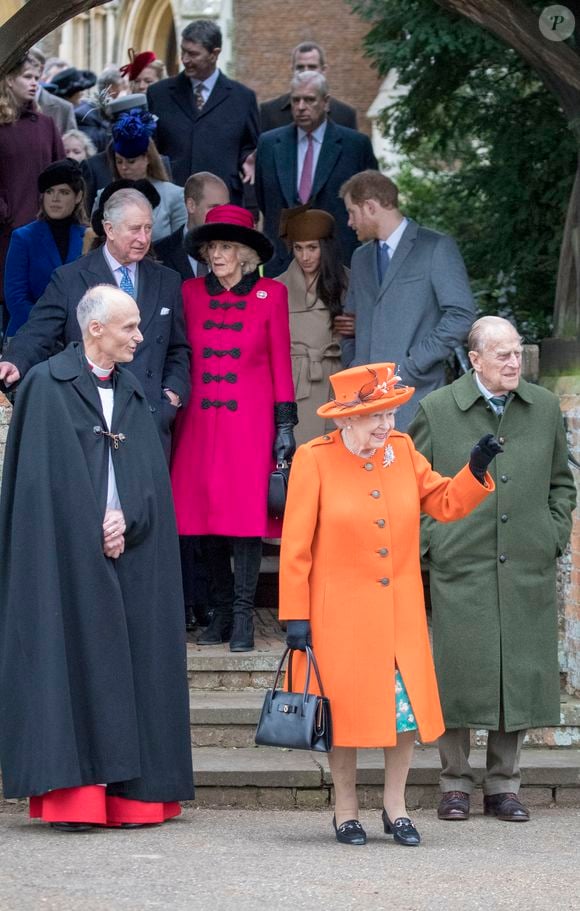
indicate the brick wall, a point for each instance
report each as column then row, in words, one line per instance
column 265, row 33
column 569, row 567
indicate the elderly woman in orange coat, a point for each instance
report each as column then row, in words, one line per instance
column 350, row 582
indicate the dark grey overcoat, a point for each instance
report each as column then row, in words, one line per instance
column 493, row 574
column 93, row 683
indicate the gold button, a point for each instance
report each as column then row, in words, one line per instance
column 384, row 581
column 383, row 552
column 376, row 494
column 381, row 523
column 368, row 466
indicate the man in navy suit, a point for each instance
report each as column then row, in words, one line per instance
column 161, row 363
column 207, row 122
column 307, row 162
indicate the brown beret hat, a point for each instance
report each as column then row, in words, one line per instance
column 302, row 224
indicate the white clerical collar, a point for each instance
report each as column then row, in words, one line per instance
column 317, row 134
column 209, row 83
column 114, row 264
column 102, row 372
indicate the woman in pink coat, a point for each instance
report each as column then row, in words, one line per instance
column 239, row 419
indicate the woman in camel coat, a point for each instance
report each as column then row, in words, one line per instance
column 350, row 581
column 317, row 283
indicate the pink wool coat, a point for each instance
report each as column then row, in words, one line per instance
column 240, row 366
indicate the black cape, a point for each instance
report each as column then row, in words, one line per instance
column 93, row 684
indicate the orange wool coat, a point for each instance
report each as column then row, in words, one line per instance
column 349, row 563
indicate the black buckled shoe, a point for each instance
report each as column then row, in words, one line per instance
column 402, row 830
column 454, row 805
column 218, row 631
column 350, row 832
column 507, row 807
column 71, row 826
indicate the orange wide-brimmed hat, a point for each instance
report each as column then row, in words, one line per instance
column 364, row 390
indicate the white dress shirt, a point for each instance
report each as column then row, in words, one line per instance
column 393, row 240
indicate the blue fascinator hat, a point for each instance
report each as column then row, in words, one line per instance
column 132, row 132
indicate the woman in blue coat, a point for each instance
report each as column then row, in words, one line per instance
column 40, row 247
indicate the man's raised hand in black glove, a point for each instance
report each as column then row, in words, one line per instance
column 285, row 417
column 298, row 634
column 482, row 454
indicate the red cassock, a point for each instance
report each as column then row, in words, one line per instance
column 223, row 438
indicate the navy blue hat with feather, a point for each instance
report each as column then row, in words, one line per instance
column 132, row 132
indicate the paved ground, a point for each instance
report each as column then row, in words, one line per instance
column 224, row 860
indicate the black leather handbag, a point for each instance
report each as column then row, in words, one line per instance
column 297, row 721
column 277, row 489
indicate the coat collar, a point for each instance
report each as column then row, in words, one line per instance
column 466, row 391
column 182, row 92
column 286, row 160
column 404, row 247
column 244, row 286
column 96, row 272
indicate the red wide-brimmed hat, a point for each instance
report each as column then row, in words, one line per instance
column 231, row 223
column 364, row 390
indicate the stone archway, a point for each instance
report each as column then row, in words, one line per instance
column 149, row 25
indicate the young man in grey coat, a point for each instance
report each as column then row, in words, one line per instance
column 409, row 292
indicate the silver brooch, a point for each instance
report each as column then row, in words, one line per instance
column 261, row 294
column 389, row 456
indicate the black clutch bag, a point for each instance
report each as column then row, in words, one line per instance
column 297, row 721
column 277, row 489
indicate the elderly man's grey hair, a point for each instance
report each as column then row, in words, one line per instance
column 115, row 206
column 487, row 328
column 318, row 80
column 99, row 303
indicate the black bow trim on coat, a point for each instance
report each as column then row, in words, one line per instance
column 231, row 404
column 210, row 352
column 211, row 324
column 218, row 377
column 218, row 305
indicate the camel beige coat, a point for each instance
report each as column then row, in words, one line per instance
column 350, row 563
column 315, row 352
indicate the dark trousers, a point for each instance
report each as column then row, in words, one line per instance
column 194, row 575
column 233, row 591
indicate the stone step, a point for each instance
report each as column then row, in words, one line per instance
column 263, row 777
column 228, row 718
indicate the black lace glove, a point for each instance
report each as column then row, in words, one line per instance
column 482, row 454
column 285, row 417
column 298, row 634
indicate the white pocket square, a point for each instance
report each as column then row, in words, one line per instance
column 164, row 311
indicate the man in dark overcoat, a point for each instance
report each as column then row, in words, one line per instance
column 161, row 363
column 207, row 122
column 94, row 713
column 493, row 577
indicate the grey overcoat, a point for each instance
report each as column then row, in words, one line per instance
column 422, row 310
column 493, row 574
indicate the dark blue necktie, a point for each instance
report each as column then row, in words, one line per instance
column 383, row 260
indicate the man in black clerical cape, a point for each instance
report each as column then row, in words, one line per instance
column 94, row 715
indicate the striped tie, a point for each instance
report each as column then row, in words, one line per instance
column 498, row 402
column 126, row 284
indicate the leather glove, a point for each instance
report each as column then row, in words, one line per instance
column 298, row 634
column 482, row 454
column 285, row 417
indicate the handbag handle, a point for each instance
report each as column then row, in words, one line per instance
column 310, row 662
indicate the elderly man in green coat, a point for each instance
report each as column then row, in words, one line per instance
column 493, row 574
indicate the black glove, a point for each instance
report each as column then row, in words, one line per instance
column 285, row 417
column 298, row 634
column 482, row 454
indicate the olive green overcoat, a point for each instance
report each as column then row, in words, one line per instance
column 493, row 574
